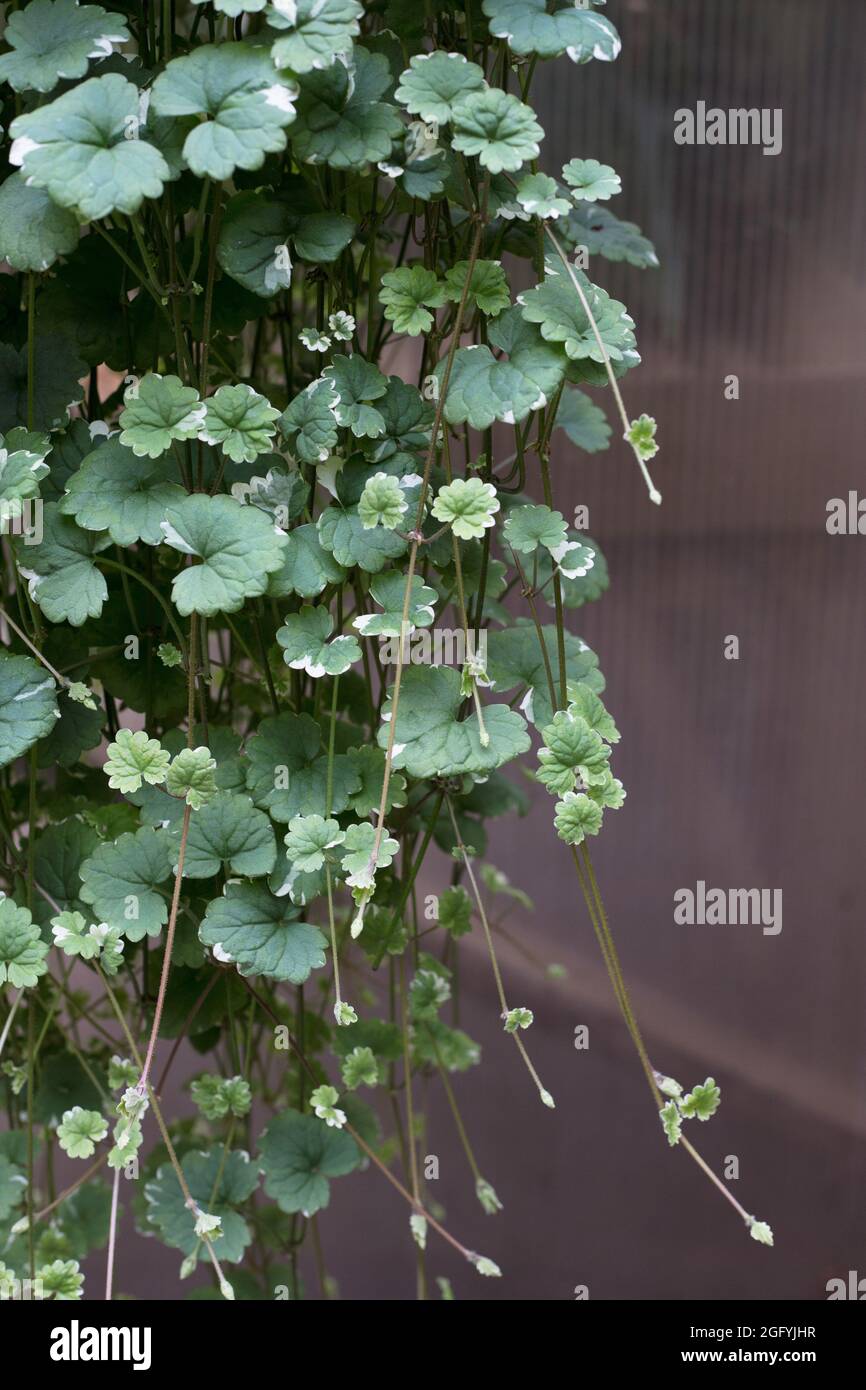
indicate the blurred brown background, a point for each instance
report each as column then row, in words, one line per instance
column 742, row 773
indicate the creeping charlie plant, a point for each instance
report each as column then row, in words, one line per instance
column 227, row 224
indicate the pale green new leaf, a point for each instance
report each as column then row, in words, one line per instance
column 488, row 286
column 79, row 149
column 157, row 410
column 591, row 182
column 241, row 420
column 134, row 758
column 304, row 640
column 577, row 816
column 701, row 1101
column 357, row 850
column 258, row 932
column 468, row 505
column 308, row 840
column 54, row 40
column 434, row 81
column 408, row 294
column 239, row 547
column 22, row 950
column 190, row 776
column 382, row 503
column 80, row 1131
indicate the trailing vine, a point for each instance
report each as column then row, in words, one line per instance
column 294, row 318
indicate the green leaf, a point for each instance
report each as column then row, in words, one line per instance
column 356, row 383
column 342, row 531
column 584, row 701
column 257, row 228
column 299, row 1155
column 484, row 388
column 455, row 911
column 238, row 547
column 61, row 1280
column 74, row 937
column 28, row 705
column 218, row 1182
column 317, row 32
column 514, row 658
column 382, row 503
column 308, row 840
column 304, row 640
column 159, row 409
column 538, row 194
column 389, row 590
column 604, row 234
column 190, row 776
column 430, row 739
column 62, row 576
column 116, row 492
column 434, row 81
column 526, row 528
column 671, row 1122
column 78, row 729
column 533, row 26
column 500, row 130
column 369, row 764
column 217, row 1096
column 341, row 120
column 488, row 286
column 555, row 306
column 591, row 182
column 241, row 420
column 54, row 40
column 584, row 422
column 229, row 834
column 572, row 748
column 468, row 505
column 82, row 149
column 310, row 422
column 576, row 817
column 287, row 769
column 34, row 231
column 360, row 1068
column 583, row 571
column 306, row 567
column 247, row 102
column 252, row 928
column 121, row 879
column 22, row 468
column 13, row 1189
column 641, row 435
column 22, row 951
column 406, row 292
column 56, row 384
column 357, row 852
column 701, row 1101
column 80, row 1131
column 134, row 758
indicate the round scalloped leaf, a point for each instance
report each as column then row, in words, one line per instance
column 287, row 769
column 54, row 40
column 157, row 410
column 229, row 833
column 298, row 1154
column 304, row 640
column 79, row 148
column 56, row 386
column 430, row 738
column 308, row 839
column 342, row 531
column 80, row 1131
column 240, row 420
column 389, row 590
column 257, row 227
column 496, row 127
column 577, row 589
column 483, row 388
column 251, row 927
column 555, row 306
column 591, row 182
column 122, row 877
column 434, row 81
column 538, row 194
column 126, row 496
column 34, row 231
column 404, row 295
column 62, row 576
column 357, row 382
column 583, row 421
column 488, row 286
column 306, row 566
column 341, row 121
column 577, row 816
column 604, row 234
column 527, row 528
column 314, row 31
column 533, row 26
column 246, row 100
column 310, row 421
column 468, row 505
column 22, row 951
column 514, row 658
column 218, row 1182
column 238, row 547
column 22, row 468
